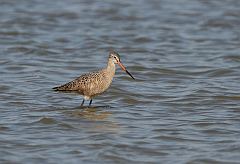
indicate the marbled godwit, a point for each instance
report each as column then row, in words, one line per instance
column 94, row 83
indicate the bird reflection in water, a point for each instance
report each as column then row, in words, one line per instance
column 91, row 113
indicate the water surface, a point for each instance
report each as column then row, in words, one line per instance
column 183, row 107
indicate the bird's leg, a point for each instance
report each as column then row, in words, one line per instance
column 82, row 102
column 90, row 102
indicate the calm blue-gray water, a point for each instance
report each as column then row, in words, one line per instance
column 183, row 107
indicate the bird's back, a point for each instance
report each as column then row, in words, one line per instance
column 89, row 84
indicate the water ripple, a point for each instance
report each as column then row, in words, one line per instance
column 183, row 103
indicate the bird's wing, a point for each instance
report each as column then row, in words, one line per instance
column 81, row 83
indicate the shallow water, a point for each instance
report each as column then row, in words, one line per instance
column 184, row 106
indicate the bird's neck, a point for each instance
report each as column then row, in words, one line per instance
column 111, row 67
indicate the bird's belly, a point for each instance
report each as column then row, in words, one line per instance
column 97, row 88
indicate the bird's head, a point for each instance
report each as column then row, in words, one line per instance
column 114, row 56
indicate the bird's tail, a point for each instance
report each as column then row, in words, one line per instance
column 59, row 88
column 65, row 87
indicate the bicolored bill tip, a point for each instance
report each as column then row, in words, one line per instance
column 129, row 74
column 124, row 69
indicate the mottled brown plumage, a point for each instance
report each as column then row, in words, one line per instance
column 94, row 83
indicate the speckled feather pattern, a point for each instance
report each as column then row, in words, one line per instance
column 91, row 84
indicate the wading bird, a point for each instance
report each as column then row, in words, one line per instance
column 94, row 83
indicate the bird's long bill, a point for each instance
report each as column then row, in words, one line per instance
column 124, row 69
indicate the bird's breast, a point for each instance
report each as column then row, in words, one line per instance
column 99, row 84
